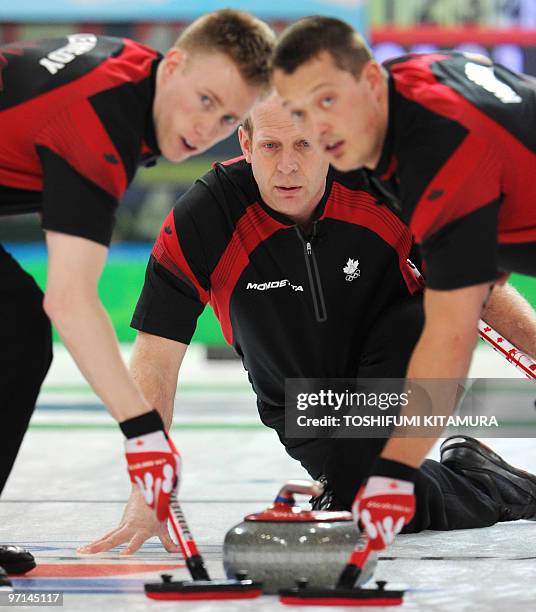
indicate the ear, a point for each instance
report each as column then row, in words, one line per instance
column 175, row 59
column 372, row 73
column 245, row 143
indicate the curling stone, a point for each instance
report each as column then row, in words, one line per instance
column 285, row 545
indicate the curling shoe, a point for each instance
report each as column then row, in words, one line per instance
column 514, row 490
column 326, row 501
column 16, row 560
column 5, row 583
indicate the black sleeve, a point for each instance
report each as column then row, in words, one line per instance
column 167, row 306
column 177, row 280
column 73, row 204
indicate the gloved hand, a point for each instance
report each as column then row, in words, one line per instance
column 386, row 502
column 153, row 461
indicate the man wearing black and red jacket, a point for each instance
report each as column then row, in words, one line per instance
column 268, row 241
column 78, row 115
column 451, row 138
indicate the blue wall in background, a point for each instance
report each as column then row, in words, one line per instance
column 353, row 11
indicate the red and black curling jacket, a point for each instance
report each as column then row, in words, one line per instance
column 291, row 303
column 460, row 157
column 75, row 123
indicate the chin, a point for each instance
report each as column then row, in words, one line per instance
column 174, row 156
column 345, row 163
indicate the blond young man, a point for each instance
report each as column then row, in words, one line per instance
column 77, row 116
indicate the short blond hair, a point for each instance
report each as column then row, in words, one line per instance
column 245, row 39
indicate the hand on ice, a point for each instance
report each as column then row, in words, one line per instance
column 137, row 525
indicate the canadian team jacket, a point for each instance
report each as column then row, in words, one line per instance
column 75, row 123
column 460, row 156
column 291, row 304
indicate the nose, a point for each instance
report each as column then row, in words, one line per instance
column 198, row 127
column 287, row 162
column 319, row 124
column 207, row 130
column 322, row 128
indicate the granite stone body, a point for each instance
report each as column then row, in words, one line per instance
column 285, row 544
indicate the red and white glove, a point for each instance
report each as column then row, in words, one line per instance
column 383, row 505
column 154, row 465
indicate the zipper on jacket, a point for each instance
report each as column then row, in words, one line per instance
column 314, row 275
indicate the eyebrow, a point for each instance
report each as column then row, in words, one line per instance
column 268, row 139
column 286, row 103
column 320, row 85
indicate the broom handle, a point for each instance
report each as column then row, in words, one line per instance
column 512, row 354
column 353, row 568
column 497, row 342
column 194, row 560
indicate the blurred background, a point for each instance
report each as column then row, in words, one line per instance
column 502, row 29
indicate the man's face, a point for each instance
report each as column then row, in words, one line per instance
column 199, row 100
column 347, row 115
column 289, row 168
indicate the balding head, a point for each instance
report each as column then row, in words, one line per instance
column 289, row 168
column 270, row 106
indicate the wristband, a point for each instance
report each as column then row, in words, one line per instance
column 394, row 469
column 142, row 424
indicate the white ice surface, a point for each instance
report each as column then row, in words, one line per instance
column 69, row 487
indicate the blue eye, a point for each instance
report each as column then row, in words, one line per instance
column 326, row 102
column 298, row 115
column 269, row 146
column 229, row 119
column 205, row 100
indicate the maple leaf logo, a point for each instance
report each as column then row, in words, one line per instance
column 351, row 266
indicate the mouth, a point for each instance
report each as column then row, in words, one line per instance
column 334, row 148
column 188, row 145
column 288, row 190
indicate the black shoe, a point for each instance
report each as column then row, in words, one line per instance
column 5, row 582
column 326, row 500
column 513, row 489
column 16, row 560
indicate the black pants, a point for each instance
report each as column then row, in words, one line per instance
column 25, row 356
column 445, row 500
